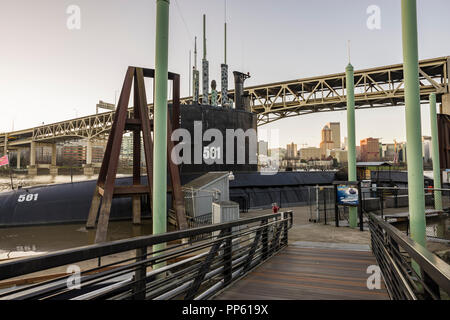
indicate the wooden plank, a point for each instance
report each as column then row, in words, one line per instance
column 299, row 273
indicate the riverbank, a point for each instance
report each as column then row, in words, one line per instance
column 24, row 180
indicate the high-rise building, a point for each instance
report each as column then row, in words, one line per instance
column 388, row 152
column 370, row 150
column 327, row 142
column 291, row 151
column 335, row 128
column 263, row 148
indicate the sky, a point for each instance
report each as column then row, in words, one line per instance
column 50, row 73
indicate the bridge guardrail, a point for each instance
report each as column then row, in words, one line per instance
column 397, row 254
column 187, row 268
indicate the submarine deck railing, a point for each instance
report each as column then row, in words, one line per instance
column 396, row 254
column 187, row 268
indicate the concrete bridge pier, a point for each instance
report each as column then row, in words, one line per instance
column 445, row 106
column 88, row 168
column 32, row 168
column 18, row 152
column 53, row 167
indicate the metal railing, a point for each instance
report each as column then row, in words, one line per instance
column 284, row 197
column 400, row 259
column 380, row 198
column 185, row 269
column 321, row 203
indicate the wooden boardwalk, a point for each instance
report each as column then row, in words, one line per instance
column 302, row 272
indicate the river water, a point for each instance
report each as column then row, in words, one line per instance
column 27, row 181
column 22, row 241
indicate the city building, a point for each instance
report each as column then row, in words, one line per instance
column 293, row 164
column 310, row 153
column 74, row 155
column 43, row 154
column 263, row 148
column 324, row 164
column 291, row 151
column 335, row 128
column 327, row 141
column 340, row 155
column 98, row 150
column 370, row 150
column 388, row 152
column 277, row 152
column 126, row 150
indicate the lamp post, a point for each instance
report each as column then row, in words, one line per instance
column 350, row 85
column 416, row 194
column 160, row 121
column 435, row 154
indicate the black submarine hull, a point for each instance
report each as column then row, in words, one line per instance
column 60, row 203
column 70, row 202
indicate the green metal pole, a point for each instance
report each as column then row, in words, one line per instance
column 416, row 193
column 160, row 121
column 225, row 45
column 204, row 37
column 350, row 84
column 435, row 153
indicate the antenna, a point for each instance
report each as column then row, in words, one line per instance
column 204, row 36
column 225, row 33
column 348, row 51
column 195, row 53
column 190, row 70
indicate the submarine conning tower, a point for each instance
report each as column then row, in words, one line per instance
column 199, row 119
column 241, row 100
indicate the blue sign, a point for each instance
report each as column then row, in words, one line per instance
column 347, row 195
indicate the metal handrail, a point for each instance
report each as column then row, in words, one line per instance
column 404, row 188
column 68, row 256
column 235, row 247
column 394, row 252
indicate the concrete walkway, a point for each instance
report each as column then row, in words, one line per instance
column 304, row 230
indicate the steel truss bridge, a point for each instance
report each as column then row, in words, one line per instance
column 376, row 87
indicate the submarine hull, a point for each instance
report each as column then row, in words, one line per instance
column 70, row 202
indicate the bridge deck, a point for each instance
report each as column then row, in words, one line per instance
column 302, row 272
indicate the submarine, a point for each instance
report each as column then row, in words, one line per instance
column 70, row 202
